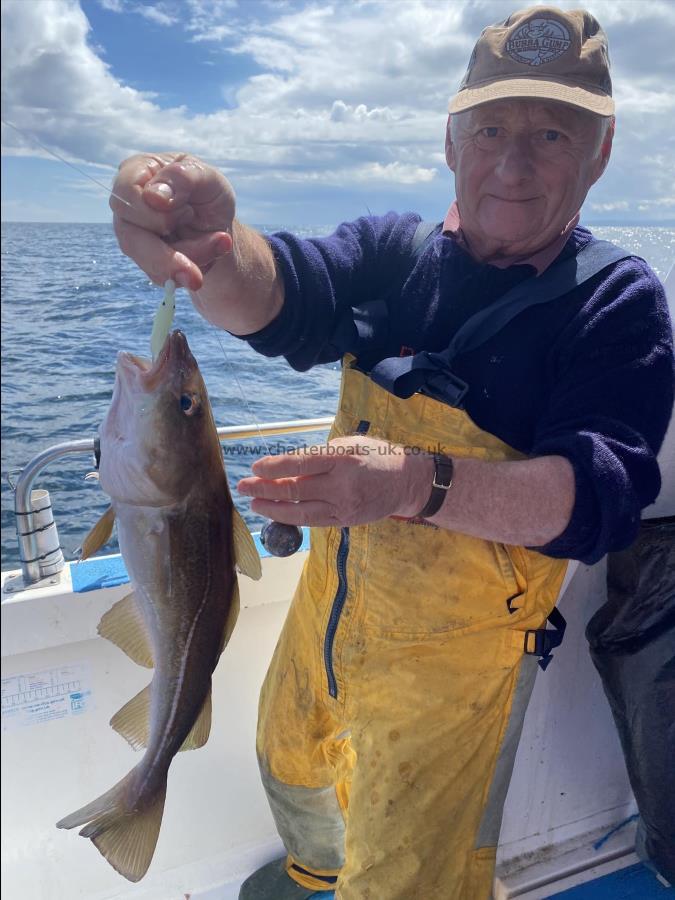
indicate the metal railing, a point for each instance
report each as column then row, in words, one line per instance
column 27, row 532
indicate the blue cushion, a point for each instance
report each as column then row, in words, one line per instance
column 99, row 572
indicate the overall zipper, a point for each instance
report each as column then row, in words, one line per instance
column 340, row 595
column 336, row 611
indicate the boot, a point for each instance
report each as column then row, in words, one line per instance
column 272, row 882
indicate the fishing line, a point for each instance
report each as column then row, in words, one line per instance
column 241, row 392
column 278, row 538
column 168, row 289
column 61, row 159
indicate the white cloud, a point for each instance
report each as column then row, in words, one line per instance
column 349, row 93
column 209, row 20
column 396, row 173
column 165, row 13
column 156, row 14
column 610, row 207
column 343, row 112
column 662, row 202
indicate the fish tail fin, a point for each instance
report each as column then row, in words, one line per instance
column 125, row 836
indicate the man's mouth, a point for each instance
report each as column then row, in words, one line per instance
column 513, row 199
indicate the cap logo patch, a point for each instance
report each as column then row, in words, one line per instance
column 538, row 41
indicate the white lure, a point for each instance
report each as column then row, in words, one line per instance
column 163, row 318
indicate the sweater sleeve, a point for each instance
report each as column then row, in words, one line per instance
column 324, row 278
column 612, row 368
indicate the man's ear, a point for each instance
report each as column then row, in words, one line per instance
column 605, row 150
column 449, row 148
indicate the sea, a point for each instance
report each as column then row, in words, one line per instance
column 71, row 301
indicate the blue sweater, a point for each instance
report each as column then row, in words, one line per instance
column 588, row 376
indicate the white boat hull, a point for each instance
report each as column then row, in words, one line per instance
column 569, row 782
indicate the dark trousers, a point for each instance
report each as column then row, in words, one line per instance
column 632, row 643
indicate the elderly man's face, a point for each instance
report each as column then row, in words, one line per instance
column 522, row 170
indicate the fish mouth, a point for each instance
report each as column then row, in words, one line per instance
column 174, row 356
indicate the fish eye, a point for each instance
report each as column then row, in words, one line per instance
column 189, row 403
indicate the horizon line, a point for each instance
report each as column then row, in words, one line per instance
column 670, row 222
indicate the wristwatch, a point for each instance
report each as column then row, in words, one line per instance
column 441, row 484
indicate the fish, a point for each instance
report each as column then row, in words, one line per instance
column 182, row 541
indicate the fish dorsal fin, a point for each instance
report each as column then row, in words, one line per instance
column 232, row 617
column 245, row 553
column 199, row 734
column 99, row 535
column 125, row 626
column 132, row 721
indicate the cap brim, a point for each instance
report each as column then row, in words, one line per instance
column 594, row 101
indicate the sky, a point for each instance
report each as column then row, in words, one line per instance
column 317, row 111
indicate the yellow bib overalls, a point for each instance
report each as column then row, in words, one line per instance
column 391, row 712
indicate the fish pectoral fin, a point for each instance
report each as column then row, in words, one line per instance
column 99, row 535
column 200, row 731
column 245, row 552
column 132, row 721
column 125, row 627
column 232, row 617
column 124, row 835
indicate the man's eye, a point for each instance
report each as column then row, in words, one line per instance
column 551, row 135
column 491, row 131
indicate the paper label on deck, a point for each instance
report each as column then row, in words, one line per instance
column 34, row 698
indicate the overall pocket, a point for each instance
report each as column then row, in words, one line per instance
column 429, row 581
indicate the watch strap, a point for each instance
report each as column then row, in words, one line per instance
column 442, row 482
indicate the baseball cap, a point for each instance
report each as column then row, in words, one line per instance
column 540, row 53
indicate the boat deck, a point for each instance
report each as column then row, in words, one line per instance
column 634, row 882
column 569, row 819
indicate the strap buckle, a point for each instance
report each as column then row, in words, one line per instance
column 541, row 641
column 446, row 387
column 440, row 485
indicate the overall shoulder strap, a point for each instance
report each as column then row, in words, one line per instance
column 556, row 281
column 364, row 329
column 424, row 234
column 432, row 372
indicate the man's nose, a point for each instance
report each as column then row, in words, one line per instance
column 516, row 163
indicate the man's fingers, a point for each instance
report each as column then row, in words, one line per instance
column 306, row 461
column 314, row 512
column 138, row 212
column 205, row 248
column 134, row 174
column 168, row 190
column 189, row 181
column 148, row 162
column 287, row 489
column 155, row 257
column 164, row 222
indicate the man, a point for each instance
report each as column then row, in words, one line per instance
column 470, row 458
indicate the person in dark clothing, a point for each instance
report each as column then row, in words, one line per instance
column 507, row 382
column 632, row 643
